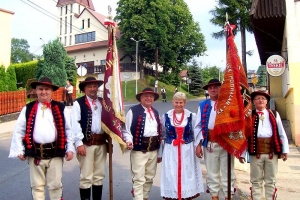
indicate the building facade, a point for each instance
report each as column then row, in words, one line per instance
column 5, row 39
column 276, row 27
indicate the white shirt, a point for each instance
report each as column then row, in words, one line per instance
column 150, row 128
column 44, row 130
column 76, row 117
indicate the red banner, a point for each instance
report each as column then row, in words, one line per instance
column 233, row 120
column 113, row 115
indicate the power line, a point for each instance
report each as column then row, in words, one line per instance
column 90, row 22
column 55, row 17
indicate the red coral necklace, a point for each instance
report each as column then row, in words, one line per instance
column 177, row 122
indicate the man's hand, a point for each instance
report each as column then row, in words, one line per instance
column 22, row 157
column 242, row 160
column 284, row 156
column 159, row 159
column 129, row 145
column 199, row 152
column 69, row 156
column 81, row 150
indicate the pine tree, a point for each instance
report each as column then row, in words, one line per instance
column 54, row 63
column 2, row 80
column 71, row 69
column 195, row 75
column 11, row 79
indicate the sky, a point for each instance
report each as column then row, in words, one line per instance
column 38, row 28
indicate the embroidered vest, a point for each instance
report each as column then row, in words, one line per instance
column 59, row 120
column 252, row 139
column 205, row 107
column 138, row 125
column 188, row 134
column 86, row 117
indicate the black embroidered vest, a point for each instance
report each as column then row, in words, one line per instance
column 86, row 117
column 138, row 125
column 59, row 120
column 252, row 139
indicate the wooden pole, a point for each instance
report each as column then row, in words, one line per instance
column 111, row 191
column 227, row 27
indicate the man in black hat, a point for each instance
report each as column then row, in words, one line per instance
column 43, row 136
column 90, row 139
column 215, row 157
column 266, row 145
column 142, row 134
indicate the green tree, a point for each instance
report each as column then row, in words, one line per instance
column 54, row 62
column 2, row 80
column 167, row 25
column 11, row 79
column 262, row 76
column 20, row 51
column 71, row 69
column 195, row 74
column 238, row 14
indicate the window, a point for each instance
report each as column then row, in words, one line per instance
column 82, row 24
column 85, row 37
column 61, row 8
column 71, row 10
column 88, row 22
column 66, row 25
column 65, row 40
column 78, row 9
column 71, row 24
column 60, row 27
column 70, row 42
column 66, row 9
column 102, row 62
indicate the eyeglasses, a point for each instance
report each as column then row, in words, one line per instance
column 260, row 99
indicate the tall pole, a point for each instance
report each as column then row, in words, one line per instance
column 227, row 27
column 136, row 64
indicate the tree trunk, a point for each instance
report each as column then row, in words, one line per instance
column 243, row 42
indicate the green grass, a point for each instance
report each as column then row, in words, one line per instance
column 130, row 89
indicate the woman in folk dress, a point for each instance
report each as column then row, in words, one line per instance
column 181, row 175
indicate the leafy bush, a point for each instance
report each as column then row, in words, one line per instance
column 11, row 80
column 2, row 79
column 25, row 71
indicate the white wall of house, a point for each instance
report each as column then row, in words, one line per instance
column 5, row 39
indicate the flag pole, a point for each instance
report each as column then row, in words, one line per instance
column 226, row 29
column 111, row 190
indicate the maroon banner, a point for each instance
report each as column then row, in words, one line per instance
column 113, row 115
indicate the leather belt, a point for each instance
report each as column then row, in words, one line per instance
column 150, row 143
column 210, row 136
column 45, row 151
column 264, row 145
column 96, row 139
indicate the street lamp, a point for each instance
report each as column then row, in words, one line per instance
column 136, row 61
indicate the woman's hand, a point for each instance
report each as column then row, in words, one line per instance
column 199, row 152
column 129, row 145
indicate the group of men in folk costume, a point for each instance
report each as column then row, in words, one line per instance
column 226, row 121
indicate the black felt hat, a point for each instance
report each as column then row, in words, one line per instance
column 89, row 79
column 213, row 81
column 254, row 94
column 147, row 91
column 44, row 81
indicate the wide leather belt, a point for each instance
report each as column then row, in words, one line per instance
column 210, row 136
column 150, row 143
column 264, row 145
column 96, row 139
column 45, row 151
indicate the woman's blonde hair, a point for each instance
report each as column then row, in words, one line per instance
column 179, row 95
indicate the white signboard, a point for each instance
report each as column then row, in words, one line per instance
column 275, row 65
column 81, row 71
